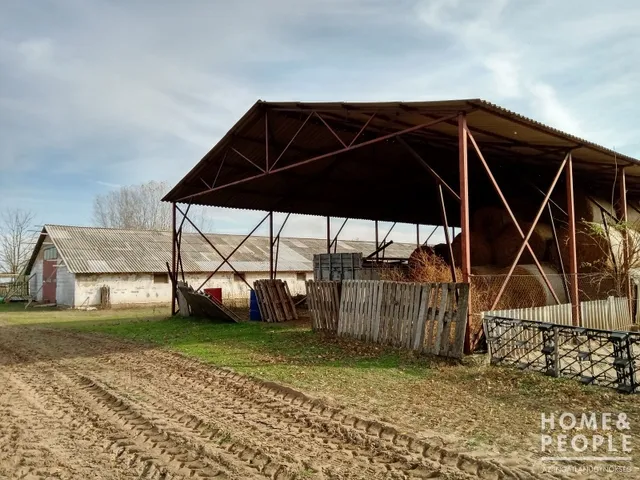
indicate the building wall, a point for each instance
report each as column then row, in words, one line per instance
column 65, row 285
column 141, row 288
column 35, row 283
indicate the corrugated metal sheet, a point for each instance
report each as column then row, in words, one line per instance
column 104, row 250
column 382, row 181
column 610, row 314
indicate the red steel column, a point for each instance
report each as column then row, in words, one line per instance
column 417, row 235
column 465, row 263
column 174, row 272
column 573, row 258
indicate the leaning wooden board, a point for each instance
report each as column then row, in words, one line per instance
column 202, row 305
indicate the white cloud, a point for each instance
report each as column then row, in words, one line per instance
column 126, row 92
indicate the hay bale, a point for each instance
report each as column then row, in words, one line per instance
column 442, row 250
column 507, row 244
column 544, row 231
column 480, row 249
column 419, row 256
column 525, row 289
column 489, row 221
column 585, row 209
column 592, row 250
column 555, row 279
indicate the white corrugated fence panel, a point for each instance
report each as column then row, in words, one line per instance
column 610, row 314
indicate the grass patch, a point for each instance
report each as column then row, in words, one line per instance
column 474, row 407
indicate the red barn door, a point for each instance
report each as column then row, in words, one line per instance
column 49, row 281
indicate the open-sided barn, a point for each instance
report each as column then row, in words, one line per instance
column 69, row 265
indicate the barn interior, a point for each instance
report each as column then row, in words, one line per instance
column 497, row 175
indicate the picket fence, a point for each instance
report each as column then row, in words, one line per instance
column 610, row 314
column 430, row 318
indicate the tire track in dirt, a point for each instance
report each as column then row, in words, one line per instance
column 45, row 437
column 200, row 421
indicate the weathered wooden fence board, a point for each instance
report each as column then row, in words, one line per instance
column 418, row 316
column 274, row 301
column 323, row 299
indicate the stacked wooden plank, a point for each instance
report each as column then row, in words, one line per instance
column 418, row 316
column 323, row 300
column 274, row 301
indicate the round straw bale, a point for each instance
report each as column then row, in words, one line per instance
column 480, row 249
column 592, row 249
column 585, row 209
column 526, row 288
column 508, row 243
column 544, row 231
column 489, row 221
column 633, row 215
column 555, row 279
column 441, row 250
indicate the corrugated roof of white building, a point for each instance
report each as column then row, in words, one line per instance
column 107, row 250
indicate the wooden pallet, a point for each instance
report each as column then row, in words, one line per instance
column 323, row 300
column 275, row 301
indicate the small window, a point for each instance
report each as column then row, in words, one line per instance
column 50, row 253
column 301, row 277
column 238, row 277
column 160, row 278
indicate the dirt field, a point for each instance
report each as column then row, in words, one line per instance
column 75, row 405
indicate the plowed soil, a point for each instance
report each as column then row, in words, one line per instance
column 81, row 406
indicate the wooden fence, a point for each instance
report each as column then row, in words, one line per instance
column 274, row 301
column 15, row 290
column 323, row 301
column 424, row 317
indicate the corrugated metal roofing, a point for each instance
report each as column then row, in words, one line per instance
column 382, row 181
column 104, row 250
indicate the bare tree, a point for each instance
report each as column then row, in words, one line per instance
column 17, row 239
column 609, row 263
column 139, row 207
column 134, row 207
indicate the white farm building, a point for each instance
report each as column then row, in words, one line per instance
column 69, row 265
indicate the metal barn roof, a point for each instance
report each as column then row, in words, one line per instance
column 383, row 181
column 105, row 250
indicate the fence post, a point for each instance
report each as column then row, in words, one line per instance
column 623, row 362
column 549, row 348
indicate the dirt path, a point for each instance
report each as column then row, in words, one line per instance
column 82, row 406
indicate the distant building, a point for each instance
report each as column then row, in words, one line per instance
column 69, row 264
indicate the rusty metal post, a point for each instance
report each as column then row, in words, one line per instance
column 445, row 222
column 465, row 263
column 624, row 218
column 417, row 235
column 573, row 258
column 271, row 245
column 465, row 244
column 328, row 234
column 174, row 240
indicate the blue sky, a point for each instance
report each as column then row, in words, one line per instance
column 97, row 93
